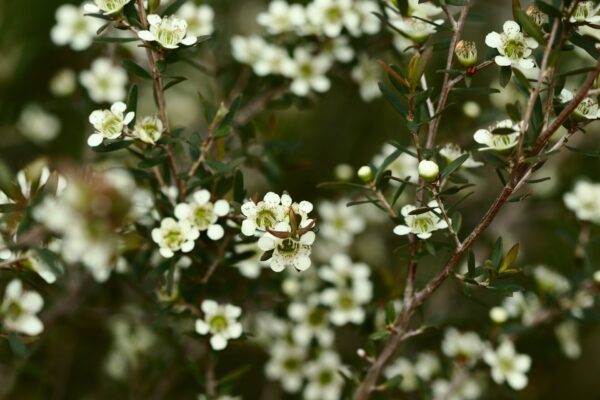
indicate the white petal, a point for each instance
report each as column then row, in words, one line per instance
column 129, row 117
column 118, row 107
column 235, row 331
column 482, row 136
column 32, row 302
column 493, row 39
column 209, row 306
column 202, row 197
column 202, row 327
column 215, row 232
column 95, row 139
column 402, row 230
column 154, row 19
column 248, row 227
column 526, row 63
column 221, row 208
column 147, row 36
column 189, row 40
column 511, row 27
column 502, row 61
column 517, row 381
column 30, row 325
column 218, row 342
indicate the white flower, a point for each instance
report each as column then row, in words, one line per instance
column 104, row 81
column 250, row 266
column 291, row 251
column 369, row 24
column 309, row 72
column 174, row 236
column 220, row 321
column 46, row 272
column 109, row 124
column 427, row 365
column 199, row 19
column 109, row 7
column 149, row 129
column 286, row 365
column 331, row 16
column 498, row 142
column 169, row 32
column 345, row 306
column 452, row 151
column 508, row 366
column 550, row 281
column 428, row 170
column 465, row 346
column 282, row 17
column 339, row 223
column 343, row 273
column 249, row 49
column 202, row 214
column 403, row 167
column 406, row 370
column 459, row 389
column 339, row 49
column 273, row 60
column 38, row 125
column 585, row 12
column 367, row 74
column 74, row 28
column 311, row 322
column 19, row 309
column 420, row 224
column 584, row 201
column 586, row 110
column 416, row 29
column 498, row 314
column 265, row 214
column 513, row 46
column 567, row 334
column 324, row 379
column 63, row 83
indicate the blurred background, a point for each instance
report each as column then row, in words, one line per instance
column 298, row 145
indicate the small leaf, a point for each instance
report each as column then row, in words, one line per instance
column 454, row 165
column 497, row 253
column 341, row 186
column 390, row 313
column 135, row 69
column 394, row 99
column 507, row 264
column 505, row 74
column 530, row 27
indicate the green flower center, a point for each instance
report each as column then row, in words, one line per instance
column 316, row 317
column 325, row 377
column 265, row 218
column 288, row 247
column 306, row 70
column 203, row 216
column 173, row 238
column 112, row 126
column 334, row 14
column 291, row 364
column 514, row 48
column 218, row 323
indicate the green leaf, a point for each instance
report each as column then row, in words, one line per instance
column 378, row 335
column 239, row 193
column 135, row 69
column 341, row 186
column 394, row 99
column 456, row 220
column 587, row 43
column 114, row 146
column 454, row 165
column 224, row 127
column 505, row 74
column 403, row 7
column 175, row 81
column 390, row 313
column 459, row 3
column 388, row 160
column 152, row 162
column 16, row 345
column 585, row 152
column 530, row 27
column 548, row 9
column 475, row 90
column 507, row 265
column 497, row 253
column 502, row 131
column 106, row 39
column 471, row 263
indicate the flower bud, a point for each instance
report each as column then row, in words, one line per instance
column 361, row 353
column 597, row 276
column 365, row 173
column 498, row 315
column 428, row 170
column 343, row 172
column 466, row 52
column 537, row 16
column 149, row 129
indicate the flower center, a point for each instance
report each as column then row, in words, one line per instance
column 288, row 247
column 218, row 323
column 203, row 216
column 306, row 71
column 423, row 223
column 265, row 218
column 112, row 126
column 291, row 364
column 582, row 11
column 316, row 317
column 334, row 14
column 173, row 238
column 325, row 377
column 514, row 48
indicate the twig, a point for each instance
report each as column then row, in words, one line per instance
column 213, row 267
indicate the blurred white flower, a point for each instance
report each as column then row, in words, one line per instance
column 345, row 304
column 19, row 308
column 585, row 12
column 109, row 7
column 461, row 389
column 466, row 346
column 38, row 125
column 500, row 141
column 404, row 368
column 104, row 81
column 131, row 340
column 250, row 266
column 63, row 83
column 309, row 72
column 220, row 321
column 199, row 18
column 174, row 236
column 74, row 28
column 339, row 223
column 202, row 214
column 331, row 16
column 586, row 110
column 169, row 32
column 584, row 201
column 282, row 17
column 514, row 47
column 286, row 365
column 367, row 73
column 567, row 334
column 405, row 166
column 273, row 60
column 324, row 379
column 249, row 49
column 421, row 224
column 507, row 365
column 312, row 321
column 471, row 109
column 368, row 24
column 452, row 151
column 109, row 124
column 339, row 49
column 427, row 365
column 550, row 281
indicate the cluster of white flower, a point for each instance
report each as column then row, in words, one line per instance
column 197, row 215
column 109, row 124
column 423, row 369
column 85, row 213
column 284, row 230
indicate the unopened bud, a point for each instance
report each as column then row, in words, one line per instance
column 466, row 52
column 498, row 315
column 428, row 170
column 361, row 353
column 365, row 173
